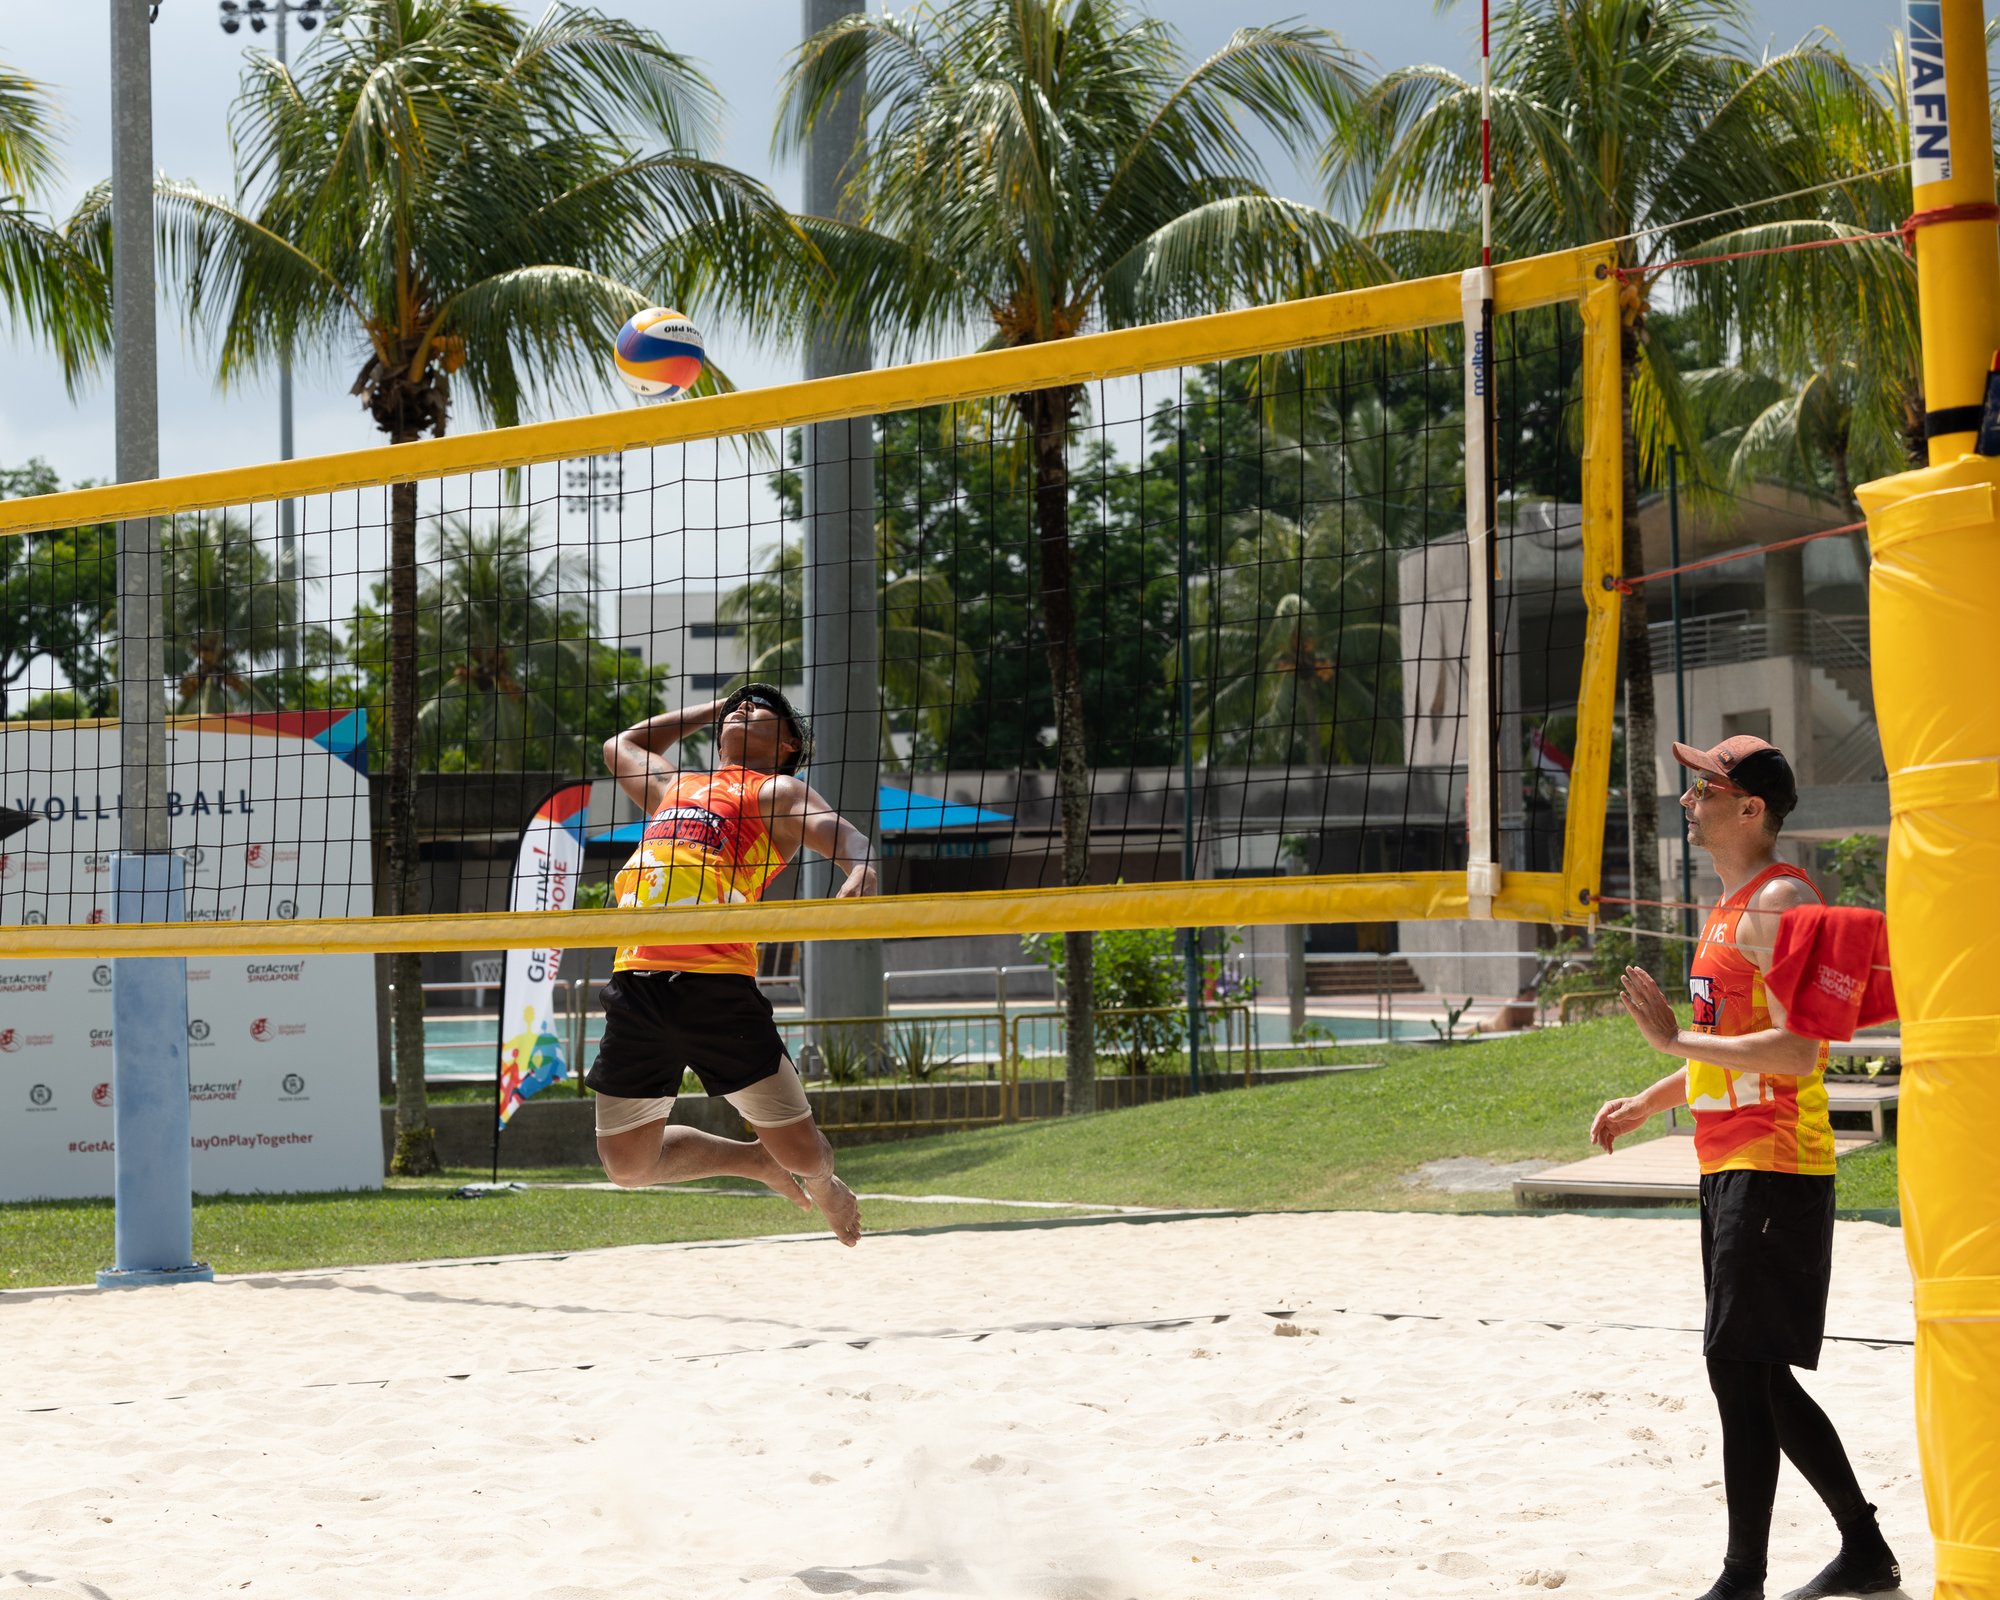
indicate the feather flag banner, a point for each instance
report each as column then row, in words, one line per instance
column 546, row 871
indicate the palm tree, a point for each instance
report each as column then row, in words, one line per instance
column 1626, row 121
column 510, row 675
column 455, row 191
column 227, row 610
column 1296, row 627
column 926, row 672
column 48, row 285
column 1827, row 383
column 1036, row 168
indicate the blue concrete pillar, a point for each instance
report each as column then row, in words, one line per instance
column 154, row 1179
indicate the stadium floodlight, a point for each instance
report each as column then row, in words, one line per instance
column 587, row 484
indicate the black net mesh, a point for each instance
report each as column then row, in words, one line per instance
column 1231, row 597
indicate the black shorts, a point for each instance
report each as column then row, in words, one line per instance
column 656, row 1024
column 1766, row 1263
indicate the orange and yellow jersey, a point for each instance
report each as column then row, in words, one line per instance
column 1745, row 1121
column 706, row 845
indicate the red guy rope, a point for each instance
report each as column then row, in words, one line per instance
column 1981, row 211
column 1627, row 585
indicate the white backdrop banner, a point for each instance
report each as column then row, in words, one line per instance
column 270, row 812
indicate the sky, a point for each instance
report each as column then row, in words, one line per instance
column 740, row 44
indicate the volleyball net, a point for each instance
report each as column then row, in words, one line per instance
column 1298, row 691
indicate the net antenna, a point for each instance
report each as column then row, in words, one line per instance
column 1482, row 865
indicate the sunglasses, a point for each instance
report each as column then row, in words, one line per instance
column 1704, row 785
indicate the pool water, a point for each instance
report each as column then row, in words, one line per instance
column 465, row 1046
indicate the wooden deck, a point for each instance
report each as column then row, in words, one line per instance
column 1657, row 1169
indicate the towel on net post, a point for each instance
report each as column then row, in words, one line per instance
column 1830, row 970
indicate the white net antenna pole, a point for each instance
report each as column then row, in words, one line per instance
column 1482, row 864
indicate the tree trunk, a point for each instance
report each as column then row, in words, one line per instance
column 416, row 1140
column 1642, row 805
column 1048, row 415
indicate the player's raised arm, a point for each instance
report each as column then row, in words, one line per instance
column 825, row 831
column 638, row 757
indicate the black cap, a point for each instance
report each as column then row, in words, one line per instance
column 772, row 698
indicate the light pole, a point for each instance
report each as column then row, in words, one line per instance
column 259, row 15
column 586, row 485
column 153, row 1174
column 843, row 656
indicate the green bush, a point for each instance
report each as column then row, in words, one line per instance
column 1855, row 863
column 1131, row 969
column 1604, row 963
column 918, row 1051
column 848, row 1055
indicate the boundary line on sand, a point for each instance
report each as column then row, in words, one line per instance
column 1280, row 1319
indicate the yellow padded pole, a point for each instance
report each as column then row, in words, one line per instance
column 1935, row 535
column 1958, row 261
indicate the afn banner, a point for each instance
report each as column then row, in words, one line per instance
column 546, row 869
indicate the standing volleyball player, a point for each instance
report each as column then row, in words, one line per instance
column 714, row 838
column 1766, row 1148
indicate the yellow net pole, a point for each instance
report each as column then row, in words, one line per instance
column 1936, row 541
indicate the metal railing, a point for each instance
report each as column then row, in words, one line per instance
column 1165, row 1083
column 1857, row 758
column 1729, row 638
column 911, row 1072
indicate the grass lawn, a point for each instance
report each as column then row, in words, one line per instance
column 58, row 1241
column 1340, row 1142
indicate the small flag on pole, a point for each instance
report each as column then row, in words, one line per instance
column 1549, row 758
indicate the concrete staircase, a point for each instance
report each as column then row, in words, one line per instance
column 1847, row 747
column 1358, row 979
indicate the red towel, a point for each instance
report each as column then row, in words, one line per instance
column 1830, row 970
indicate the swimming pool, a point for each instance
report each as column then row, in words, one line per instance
column 464, row 1046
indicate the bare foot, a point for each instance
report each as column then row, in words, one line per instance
column 837, row 1204
column 781, row 1183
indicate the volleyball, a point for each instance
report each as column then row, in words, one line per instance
column 659, row 354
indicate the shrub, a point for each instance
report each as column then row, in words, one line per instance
column 918, row 1050
column 1576, row 966
column 1855, row 863
column 1131, row 969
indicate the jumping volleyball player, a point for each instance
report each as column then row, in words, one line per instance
column 1766, row 1147
column 713, row 838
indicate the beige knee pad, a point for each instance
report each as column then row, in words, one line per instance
column 774, row 1102
column 616, row 1114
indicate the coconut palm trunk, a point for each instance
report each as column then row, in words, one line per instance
column 1642, row 806
column 1047, row 413
column 416, row 1140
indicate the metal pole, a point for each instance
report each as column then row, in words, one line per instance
column 1189, row 938
column 842, row 648
column 1680, row 671
column 153, row 1177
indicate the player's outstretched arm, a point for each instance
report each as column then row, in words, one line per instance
column 801, row 817
column 637, row 758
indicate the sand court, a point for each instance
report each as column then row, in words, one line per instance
column 1451, row 1406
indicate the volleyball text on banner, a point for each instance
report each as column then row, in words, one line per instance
column 546, row 869
column 269, row 813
